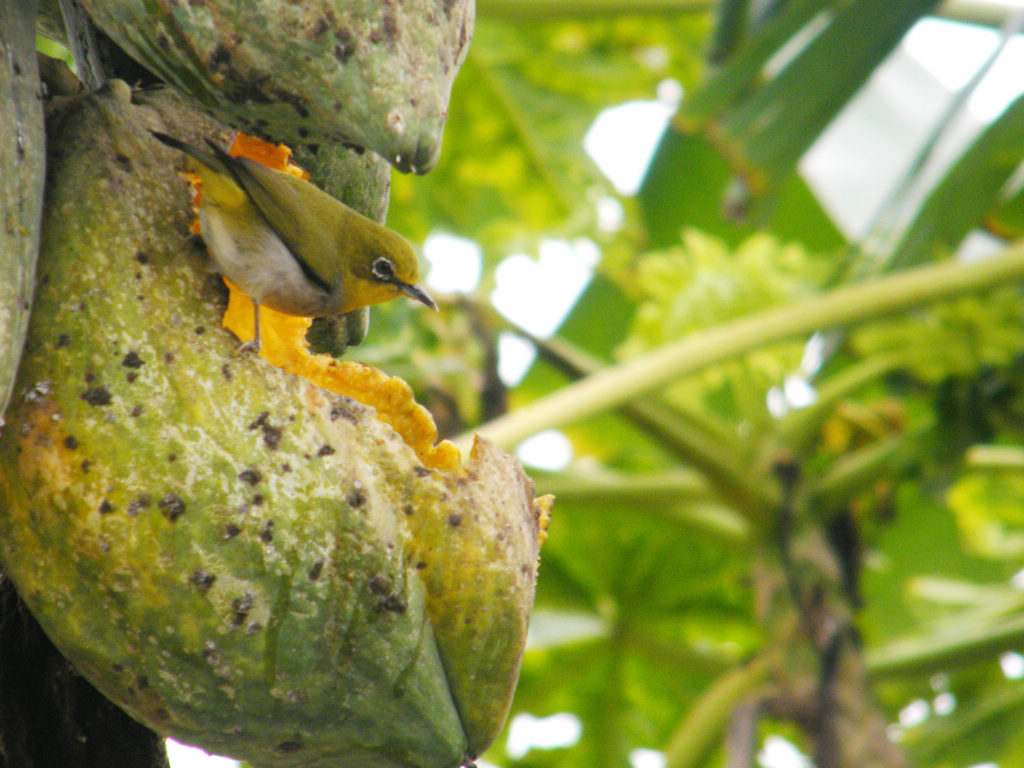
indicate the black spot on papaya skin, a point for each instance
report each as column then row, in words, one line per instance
column 345, row 47
column 106, row 507
column 138, row 504
column 421, row 471
column 132, row 360
column 341, row 412
column 172, row 507
column 454, row 520
column 315, row 569
column 63, row 340
column 289, row 747
column 137, row 411
column 202, row 580
column 357, row 497
column 272, row 437
column 97, row 396
column 325, row 450
column 379, row 585
column 390, row 27
column 271, row 434
column 240, row 607
column 231, row 530
column 70, row 442
column 394, row 604
column 141, row 257
column 250, row 476
column 267, row 532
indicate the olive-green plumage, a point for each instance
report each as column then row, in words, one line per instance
column 291, row 246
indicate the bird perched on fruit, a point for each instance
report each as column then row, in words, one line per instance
column 293, row 247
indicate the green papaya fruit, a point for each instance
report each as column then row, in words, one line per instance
column 238, row 558
column 373, row 74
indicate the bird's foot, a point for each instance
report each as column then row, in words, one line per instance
column 253, row 345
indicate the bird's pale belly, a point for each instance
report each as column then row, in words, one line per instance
column 255, row 259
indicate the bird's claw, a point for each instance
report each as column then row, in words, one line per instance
column 253, row 345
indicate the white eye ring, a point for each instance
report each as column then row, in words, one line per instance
column 383, row 269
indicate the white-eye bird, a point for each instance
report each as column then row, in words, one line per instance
column 291, row 246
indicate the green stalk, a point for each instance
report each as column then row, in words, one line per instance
column 694, row 437
column 723, row 458
column 679, row 485
column 704, row 724
column 938, row 737
column 991, row 13
column 681, row 496
column 952, row 647
column 852, row 472
column 994, row 457
column 842, row 306
column 800, row 428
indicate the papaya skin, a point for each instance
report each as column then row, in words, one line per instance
column 363, row 73
column 238, row 558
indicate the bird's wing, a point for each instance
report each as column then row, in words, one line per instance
column 304, row 217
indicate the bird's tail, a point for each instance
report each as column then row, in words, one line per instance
column 212, row 161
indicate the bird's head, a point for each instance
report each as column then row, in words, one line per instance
column 384, row 267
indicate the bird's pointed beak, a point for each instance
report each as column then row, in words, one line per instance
column 415, row 292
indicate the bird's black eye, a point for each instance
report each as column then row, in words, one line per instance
column 384, row 269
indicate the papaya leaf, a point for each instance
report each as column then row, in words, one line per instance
column 969, row 191
column 513, row 162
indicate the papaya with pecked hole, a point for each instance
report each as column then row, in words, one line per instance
column 238, row 557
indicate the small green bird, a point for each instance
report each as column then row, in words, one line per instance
column 293, row 247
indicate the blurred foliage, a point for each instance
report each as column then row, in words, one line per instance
column 654, row 587
column 512, row 167
column 989, row 510
column 701, row 282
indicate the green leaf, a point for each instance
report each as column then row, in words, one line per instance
column 956, row 338
column 775, row 124
column 968, row 191
column 691, row 183
column 665, row 616
column 906, row 549
column 989, row 510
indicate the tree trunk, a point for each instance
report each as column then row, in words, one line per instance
column 50, row 717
